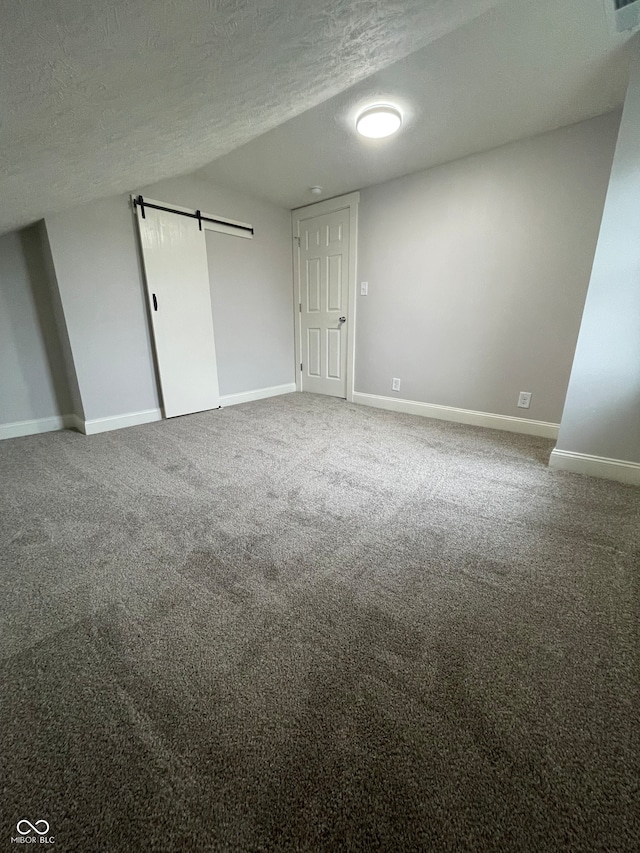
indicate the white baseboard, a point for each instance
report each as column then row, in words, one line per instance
column 52, row 424
column 97, row 425
column 596, row 466
column 119, row 421
column 459, row 416
column 259, row 394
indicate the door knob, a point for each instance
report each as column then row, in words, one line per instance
column 342, row 319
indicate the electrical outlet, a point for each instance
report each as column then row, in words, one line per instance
column 395, row 384
column 524, row 399
column 364, row 288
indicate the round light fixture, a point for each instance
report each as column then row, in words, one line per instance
column 378, row 121
column 315, row 190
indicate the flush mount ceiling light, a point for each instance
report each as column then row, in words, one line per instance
column 378, row 121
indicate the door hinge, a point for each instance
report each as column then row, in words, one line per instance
column 300, row 307
column 300, row 365
column 297, row 239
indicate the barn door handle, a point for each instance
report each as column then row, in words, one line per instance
column 342, row 319
column 155, row 302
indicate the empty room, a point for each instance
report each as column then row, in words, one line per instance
column 320, row 425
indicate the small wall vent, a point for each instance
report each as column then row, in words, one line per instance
column 626, row 14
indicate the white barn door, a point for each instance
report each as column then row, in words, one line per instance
column 177, row 280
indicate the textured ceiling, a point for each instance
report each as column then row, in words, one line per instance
column 101, row 96
column 523, row 68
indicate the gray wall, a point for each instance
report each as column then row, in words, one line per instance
column 251, row 285
column 32, row 376
column 97, row 269
column 478, row 272
column 602, row 411
column 67, row 366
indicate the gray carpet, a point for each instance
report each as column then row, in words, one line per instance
column 302, row 625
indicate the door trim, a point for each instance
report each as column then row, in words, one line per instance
column 330, row 205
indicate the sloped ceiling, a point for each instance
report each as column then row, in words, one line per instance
column 101, row 96
column 522, row 68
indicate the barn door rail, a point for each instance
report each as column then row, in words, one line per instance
column 210, row 223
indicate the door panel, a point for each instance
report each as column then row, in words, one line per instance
column 313, row 284
column 334, row 233
column 324, row 292
column 314, row 351
column 177, row 280
column 334, row 355
column 334, row 283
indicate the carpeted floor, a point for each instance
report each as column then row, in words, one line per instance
column 302, row 625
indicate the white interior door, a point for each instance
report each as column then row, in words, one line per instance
column 324, row 299
column 177, row 279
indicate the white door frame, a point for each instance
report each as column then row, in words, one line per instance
column 343, row 202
